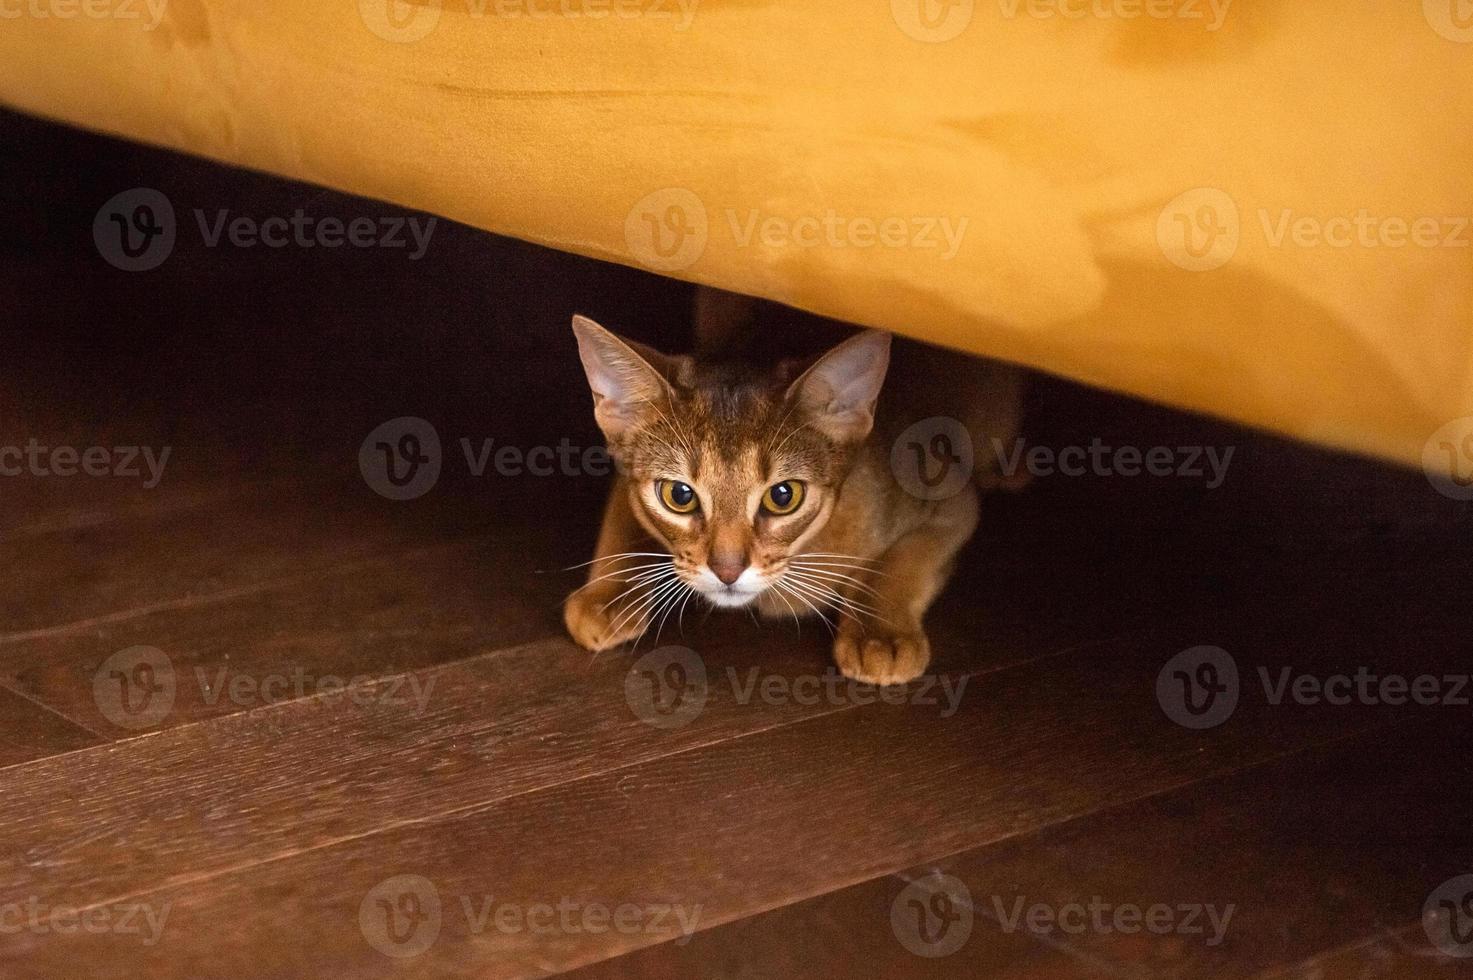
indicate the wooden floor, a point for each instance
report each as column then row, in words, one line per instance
column 190, row 792
column 480, row 767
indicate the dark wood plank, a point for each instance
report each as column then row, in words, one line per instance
column 31, row 731
column 1391, row 954
column 292, row 639
column 720, row 831
column 486, row 728
column 1307, row 867
column 71, row 579
column 851, row 932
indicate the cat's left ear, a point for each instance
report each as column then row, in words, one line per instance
column 840, row 389
column 628, row 380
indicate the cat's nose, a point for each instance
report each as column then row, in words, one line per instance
column 728, row 568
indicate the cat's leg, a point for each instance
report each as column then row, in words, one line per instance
column 889, row 646
column 606, row 612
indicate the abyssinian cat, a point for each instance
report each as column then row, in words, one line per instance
column 774, row 488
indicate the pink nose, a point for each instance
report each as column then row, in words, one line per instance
column 728, row 568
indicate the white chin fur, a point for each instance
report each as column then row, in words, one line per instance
column 729, row 600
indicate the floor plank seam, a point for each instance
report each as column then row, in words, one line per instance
column 190, row 602
column 59, row 714
column 1114, row 969
column 470, row 809
column 1220, row 774
column 1395, row 935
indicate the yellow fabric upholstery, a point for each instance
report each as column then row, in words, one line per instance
column 1142, row 194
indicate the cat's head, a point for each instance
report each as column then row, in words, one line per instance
column 732, row 471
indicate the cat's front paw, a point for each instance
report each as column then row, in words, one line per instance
column 881, row 655
column 596, row 624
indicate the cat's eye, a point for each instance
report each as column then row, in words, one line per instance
column 677, row 496
column 783, row 498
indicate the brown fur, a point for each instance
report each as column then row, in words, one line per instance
column 860, row 550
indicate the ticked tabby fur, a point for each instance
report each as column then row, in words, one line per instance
column 773, row 488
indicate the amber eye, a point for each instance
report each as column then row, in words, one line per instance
column 677, row 496
column 783, row 498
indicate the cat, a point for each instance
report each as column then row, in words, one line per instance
column 773, row 487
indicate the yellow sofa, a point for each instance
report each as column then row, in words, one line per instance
column 1253, row 209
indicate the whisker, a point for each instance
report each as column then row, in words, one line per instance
column 680, row 616
column 799, row 596
column 827, row 584
column 835, row 554
column 835, row 577
column 642, row 583
column 617, row 556
column 620, row 571
column 635, row 612
column 668, row 606
column 791, row 608
column 865, row 569
column 839, row 603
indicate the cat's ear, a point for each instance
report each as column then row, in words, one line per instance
column 839, row 390
column 628, row 380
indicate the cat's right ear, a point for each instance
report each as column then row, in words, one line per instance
column 627, row 386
